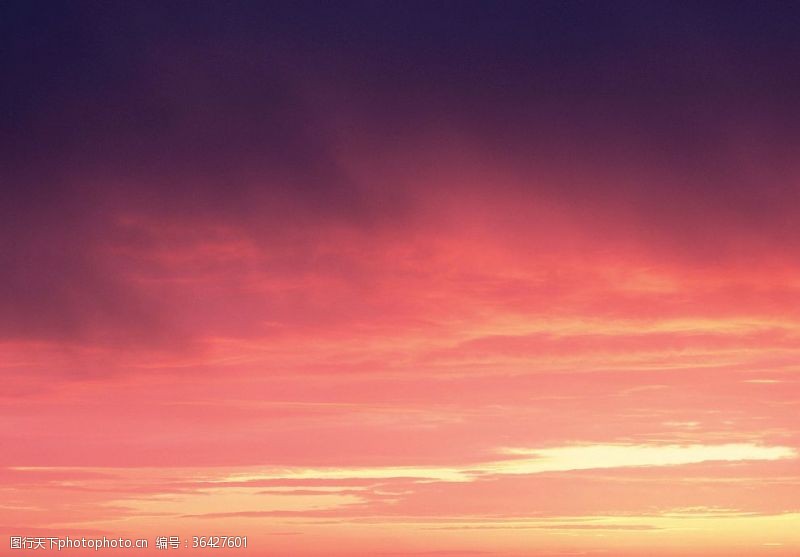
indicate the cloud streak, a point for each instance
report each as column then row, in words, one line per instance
column 556, row 459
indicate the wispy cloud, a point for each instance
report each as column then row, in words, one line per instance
column 537, row 461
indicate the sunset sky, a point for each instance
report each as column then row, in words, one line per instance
column 402, row 279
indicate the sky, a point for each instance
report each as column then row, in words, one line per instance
column 402, row 279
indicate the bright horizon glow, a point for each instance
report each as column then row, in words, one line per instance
column 556, row 459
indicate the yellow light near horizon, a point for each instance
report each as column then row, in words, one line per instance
column 556, row 459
